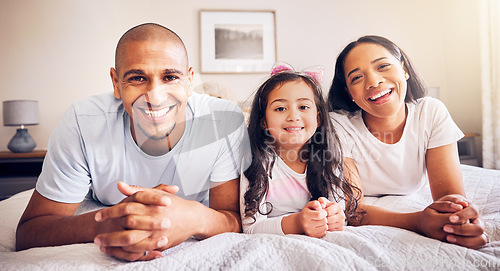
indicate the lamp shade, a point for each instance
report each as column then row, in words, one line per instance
column 20, row 112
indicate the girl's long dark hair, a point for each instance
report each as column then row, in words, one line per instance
column 322, row 153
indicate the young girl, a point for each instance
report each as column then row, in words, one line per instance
column 396, row 141
column 296, row 162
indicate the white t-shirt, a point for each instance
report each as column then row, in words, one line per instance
column 396, row 168
column 92, row 148
column 288, row 194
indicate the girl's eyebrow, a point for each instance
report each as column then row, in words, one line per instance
column 285, row 100
column 373, row 61
column 278, row 100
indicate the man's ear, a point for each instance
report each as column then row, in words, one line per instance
column 114, row 80
column 189, row 90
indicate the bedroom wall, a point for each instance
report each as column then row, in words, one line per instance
column 59, row 51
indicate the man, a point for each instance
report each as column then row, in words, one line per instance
column 154, row 132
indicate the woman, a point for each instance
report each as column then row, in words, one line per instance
column 395, row 140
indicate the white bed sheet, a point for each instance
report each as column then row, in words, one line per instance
column 355, row 248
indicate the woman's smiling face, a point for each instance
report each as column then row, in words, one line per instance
column 376, row 80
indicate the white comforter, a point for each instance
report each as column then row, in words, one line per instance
column 355, row 248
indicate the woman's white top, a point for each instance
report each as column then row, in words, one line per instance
column 398, row 168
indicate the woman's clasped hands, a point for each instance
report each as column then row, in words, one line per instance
column 453, row 219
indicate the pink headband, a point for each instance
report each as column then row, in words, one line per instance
column 316, row 72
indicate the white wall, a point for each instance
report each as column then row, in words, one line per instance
column 60, row 51
column 461, row 46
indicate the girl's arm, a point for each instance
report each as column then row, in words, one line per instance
column 259, row 223
column 311, row 220
column 286, row 224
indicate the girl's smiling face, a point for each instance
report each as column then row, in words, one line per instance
column 291, row 115
column 376, row 80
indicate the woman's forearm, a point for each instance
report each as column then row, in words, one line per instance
column 374, row 215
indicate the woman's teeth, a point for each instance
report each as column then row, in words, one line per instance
column 373, row 98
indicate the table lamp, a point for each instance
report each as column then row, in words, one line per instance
column 20, row 113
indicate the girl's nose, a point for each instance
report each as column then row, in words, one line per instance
column 293, row 115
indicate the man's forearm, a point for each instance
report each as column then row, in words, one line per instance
column 55, row 230
column 217, row 221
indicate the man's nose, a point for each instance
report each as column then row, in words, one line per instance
column 156, row 94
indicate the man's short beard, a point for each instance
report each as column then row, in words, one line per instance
column 161, row 137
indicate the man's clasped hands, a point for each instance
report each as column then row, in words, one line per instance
column 146, row 222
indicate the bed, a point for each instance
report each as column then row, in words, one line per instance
column 355, row 248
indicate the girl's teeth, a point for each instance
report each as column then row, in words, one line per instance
column 293, row 129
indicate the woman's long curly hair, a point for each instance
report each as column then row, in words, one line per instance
column 322, row 152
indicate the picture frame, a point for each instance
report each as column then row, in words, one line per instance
column 237, row 41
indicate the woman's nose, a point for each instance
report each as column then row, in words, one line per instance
column 373, row 79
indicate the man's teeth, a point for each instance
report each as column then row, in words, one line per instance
column 373, row 98
column 157, row 113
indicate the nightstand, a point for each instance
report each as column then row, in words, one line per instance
column 467, row 149
column 19, row 171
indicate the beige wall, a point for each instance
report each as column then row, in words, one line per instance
column 60, row 51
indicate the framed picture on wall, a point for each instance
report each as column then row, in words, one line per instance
column 237, row 41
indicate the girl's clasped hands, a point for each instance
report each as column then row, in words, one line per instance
column 320, row 216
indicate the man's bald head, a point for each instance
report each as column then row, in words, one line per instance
column 147, row 32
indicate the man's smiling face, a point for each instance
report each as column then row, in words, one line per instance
column 154, row 82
